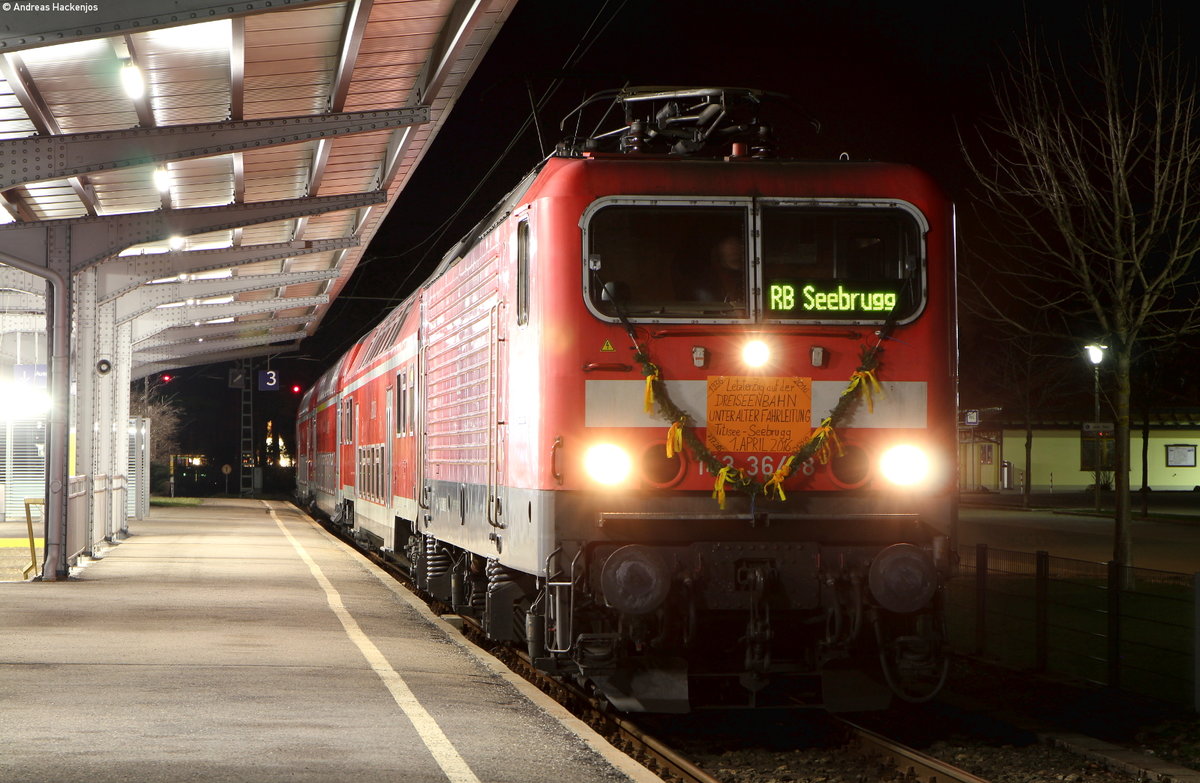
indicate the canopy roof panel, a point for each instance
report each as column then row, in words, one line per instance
column 303, row 61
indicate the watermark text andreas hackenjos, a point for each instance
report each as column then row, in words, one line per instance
column 77, row 8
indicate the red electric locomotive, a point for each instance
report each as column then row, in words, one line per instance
column 680, row 422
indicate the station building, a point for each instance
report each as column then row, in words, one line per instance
column 992, row 454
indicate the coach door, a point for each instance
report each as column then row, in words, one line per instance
column 418, row 415
column 348, row 450
column 389, row 443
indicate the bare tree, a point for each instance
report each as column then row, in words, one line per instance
column 1090, row 176
column 166, row 419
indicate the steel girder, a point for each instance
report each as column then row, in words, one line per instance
column 125, row 273
column 147, row 298
column 144, row 370
column 13, row 279
column 11, row 323
column 149, row 324
column 190, row 334
column 41, row 158
column 75, row 244
column 193, row 349
column 22, row 302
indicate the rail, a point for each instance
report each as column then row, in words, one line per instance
column 911, row 764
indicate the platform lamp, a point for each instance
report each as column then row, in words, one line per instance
column 1095, row 355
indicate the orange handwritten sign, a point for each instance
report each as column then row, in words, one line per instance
column 752, row 413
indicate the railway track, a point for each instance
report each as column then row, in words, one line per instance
column 895, row 761
column 907, row 764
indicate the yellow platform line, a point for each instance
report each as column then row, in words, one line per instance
column 8, row 543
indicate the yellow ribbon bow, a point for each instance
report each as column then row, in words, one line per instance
column 865, row 380
column 675, row 439
column 823, row 435
column 648, row 402
column 775, row 483
column 726, row 474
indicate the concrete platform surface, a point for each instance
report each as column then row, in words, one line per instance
column 237, row 641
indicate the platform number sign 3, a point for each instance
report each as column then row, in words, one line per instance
column 268, row 380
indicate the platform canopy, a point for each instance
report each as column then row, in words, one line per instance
column 211, row 174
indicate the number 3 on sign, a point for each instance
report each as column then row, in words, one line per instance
column 268, row 380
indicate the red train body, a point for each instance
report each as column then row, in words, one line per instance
column 560, row 432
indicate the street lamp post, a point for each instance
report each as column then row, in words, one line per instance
column 1095, row 354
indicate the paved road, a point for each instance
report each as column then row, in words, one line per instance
column 1169, row 541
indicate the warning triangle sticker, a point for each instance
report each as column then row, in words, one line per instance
column 607, row 347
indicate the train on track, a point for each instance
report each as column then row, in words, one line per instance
column 677, row 417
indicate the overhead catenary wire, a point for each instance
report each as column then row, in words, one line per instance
column 599, row 24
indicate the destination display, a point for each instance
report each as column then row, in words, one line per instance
column 848, row 299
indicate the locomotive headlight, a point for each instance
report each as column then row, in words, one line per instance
column 756, row 353
column 607, row 463
column 905, row 465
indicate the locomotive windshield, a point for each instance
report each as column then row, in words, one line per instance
column 693, row 261
column 669, row 261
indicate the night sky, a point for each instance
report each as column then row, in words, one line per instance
column 887, row 80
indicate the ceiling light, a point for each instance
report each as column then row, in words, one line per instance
column 162, row 179
column 132, row 80
column 204, row 35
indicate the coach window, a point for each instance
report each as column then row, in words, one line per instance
column 348, row 421
column 841, row 263
column 401, row 399
column 523, row 272
column 669, row 261
column 411, row 425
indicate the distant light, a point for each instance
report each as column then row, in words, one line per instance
column 176, row 242
column 133, row 81
column 162, row 179
column 1095, row 352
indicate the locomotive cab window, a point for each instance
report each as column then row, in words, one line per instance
column 652, row 261
column 840, row 264
column 821, row 262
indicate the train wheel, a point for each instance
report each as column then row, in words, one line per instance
column 912, row 654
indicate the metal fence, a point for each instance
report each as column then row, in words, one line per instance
column 1130, row 628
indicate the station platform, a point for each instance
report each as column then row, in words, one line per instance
column 239, row 641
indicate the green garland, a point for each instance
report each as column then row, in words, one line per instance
column 864, row 376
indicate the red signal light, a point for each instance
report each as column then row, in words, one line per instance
column 296, row 388
column 167, row 377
